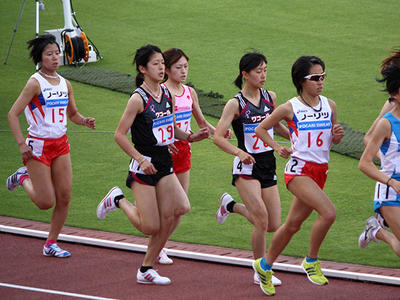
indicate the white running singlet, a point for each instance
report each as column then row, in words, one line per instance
column 311, row 131
column 46, row 114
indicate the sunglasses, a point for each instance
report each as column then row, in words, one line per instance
column 316, row 77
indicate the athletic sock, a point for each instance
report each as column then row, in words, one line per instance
column 229, row 206
column 311, row 260
column 49, row 242
column 144, row 269
column 117, row 198
column 264, row 265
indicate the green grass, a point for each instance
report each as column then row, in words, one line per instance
column 351, row 37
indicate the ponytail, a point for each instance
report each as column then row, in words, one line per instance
column 239, row 81
column 139, row 79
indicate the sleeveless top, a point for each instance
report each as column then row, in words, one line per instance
column 46, row 114
column 155, row 125
column 183, row 109
column 250, row 117
column 389, row 150
column 310, row 131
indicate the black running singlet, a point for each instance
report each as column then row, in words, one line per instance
column 155, row 125
column 250, row 117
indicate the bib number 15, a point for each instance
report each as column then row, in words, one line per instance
column 57, row 115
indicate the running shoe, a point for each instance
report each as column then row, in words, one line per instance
column 265, row 278
column 222, row 212
column 366, row 236
column 13, row 180
column 314, row 272
column 275, row 280
column 108, row 204
column 151, row 277
column 163, row 258
column 54, row 250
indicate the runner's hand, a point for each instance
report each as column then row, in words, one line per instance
column 395, row 184
column 148, row 168
column 90, row 123
column 172, row 149
column 284, row 152
column 228, row 134
column 245, row 157
column 25, row 151
column 202, row 134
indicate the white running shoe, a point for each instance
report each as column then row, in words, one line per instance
column 222, row 212
column 54, row 250
column 13, row 179
column 163, row 258
column 108, row 204
column 366, row 236
column 275, row 280
column 151, row 277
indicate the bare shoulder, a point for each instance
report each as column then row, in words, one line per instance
column 272, row 94
column 331, row 103
column 192, row 91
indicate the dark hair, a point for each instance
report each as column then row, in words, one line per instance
column 301, row 68
column 142, row 57
column 38, row 44
column 172, row 55
column 394, row 58
column 390, row 70
column 248, row 62
column 391, row 77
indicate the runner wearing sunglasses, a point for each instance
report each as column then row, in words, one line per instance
column 312, row 121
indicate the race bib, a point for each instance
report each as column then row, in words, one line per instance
column 134, row 166
column 294, row 166
column 183, row 120
column 163, row 130
column 56, row 111
column 252, row 142
column 36, row 146
column 240, row 168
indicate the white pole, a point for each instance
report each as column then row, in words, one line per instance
column 37, row 25
column 68, row 17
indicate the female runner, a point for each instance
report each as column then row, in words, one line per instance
column 47, row 100
column 160, row 199
column 254, row 163
column 186, row 104
column 312, row 120
column 384, row 138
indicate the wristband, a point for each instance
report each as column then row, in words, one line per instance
column 387, row 182
column 84, row 121
column 142, row 161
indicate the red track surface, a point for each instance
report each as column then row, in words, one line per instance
column 112, row 273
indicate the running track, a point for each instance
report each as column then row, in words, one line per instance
column 108, row 273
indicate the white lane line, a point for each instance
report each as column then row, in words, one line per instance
column 201, row 256
column 28, row 288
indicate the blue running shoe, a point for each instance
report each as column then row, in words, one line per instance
column 13, row 180
column 54, row 250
